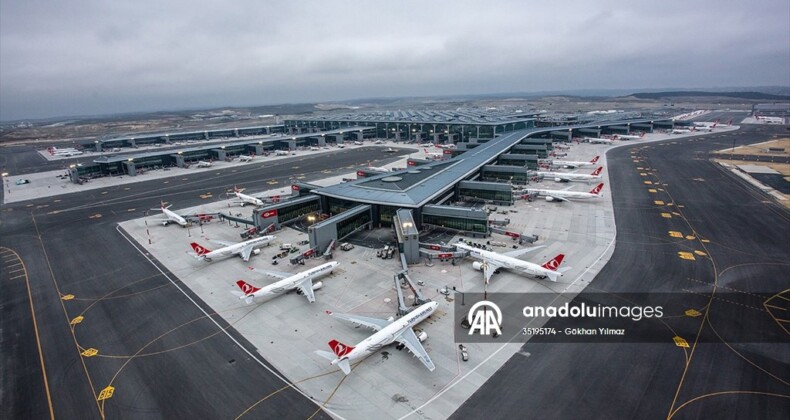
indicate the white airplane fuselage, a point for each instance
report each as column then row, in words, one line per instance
column 173, row 217
column 595, row 140
column 248, row 199
column 389, row 333
column 290, row 283
column 561, row 176
column 505, row 261
column 236, row 248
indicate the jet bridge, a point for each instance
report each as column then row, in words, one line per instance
column 403, row 279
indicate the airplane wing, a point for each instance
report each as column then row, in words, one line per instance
column 409, row 339
column 245, row 253
column 558, row 198
column 306, row 287
column 271, row 273
column 489, row 267
column 372, row 323
column 520, row 252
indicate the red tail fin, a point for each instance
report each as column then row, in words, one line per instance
column 247, row 288
column 554, row 263
column 597, row 171
column 597, row 190
column 199, row 249
column 595, row 159
column 339, row 348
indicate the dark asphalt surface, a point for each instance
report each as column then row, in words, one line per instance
column 163, row 355
column 744, row 235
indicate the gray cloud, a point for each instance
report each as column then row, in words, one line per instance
column 89, row 57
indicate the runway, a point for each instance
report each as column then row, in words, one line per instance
column 741, row 236
column 119, row 336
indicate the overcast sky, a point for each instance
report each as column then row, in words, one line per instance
column 81, row 57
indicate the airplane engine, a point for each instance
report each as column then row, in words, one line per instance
column 549, row 198
column 165, row 223
column 422, row 336
column 256, row 251
column 560, row 180
column 317, row 285
column 477, row 265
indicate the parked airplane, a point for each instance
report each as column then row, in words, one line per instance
column 681, row 130
column 596, row 140
column 358, row 143
column 246, row 199
column 375, row 168
column 629, row 136
column 246, row 158
column 433, row 155
column 69, row 151
column 302, row 282
column 243, row 249
column 770, row 120
column 565, row 195
column 571, row 164
column 203, row 164
column 172, row 217
column 571, row 176
column 493, row 261
column 445, row 146
column 387, row 332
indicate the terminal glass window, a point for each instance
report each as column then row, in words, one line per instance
column 490, row 195
column 345, row 227
column 457, row 223
column 287, row 213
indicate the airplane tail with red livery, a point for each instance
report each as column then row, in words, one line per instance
column 597, row 171
column 200, row 250
column 595, row 159
column 247, row 288
column 554, row 263
column 339, row 348
column 597, row 189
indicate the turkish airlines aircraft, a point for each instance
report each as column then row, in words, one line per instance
column 571, row 164
column 243, row 249
column 629, row 137
column 172, row 217
column 493, row 261
column 681, row 131
column 596, row 140
column 387, row 332
column 571, row 176
column 247, row 199
column 302, row 282
column 433, row 155
column 565, row 195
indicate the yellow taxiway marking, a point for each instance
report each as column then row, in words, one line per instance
column 652, row 190
column 686, row 255
column 659, row 202
column 126, row 189
column 204, row 196
column 648, row 182
column 642, row 174
column 131, row 209
column 68, row 297
column 666, row 215
column 675, row 234
column 106, row 393
column 705, row 241
column 640, row 168
column 700, row 253
column 76, row 320
column 56, row 201
column 676, row 213
column 166, row 182
column 90, row 352
column 104, row 192
column 680, row 342
column 294, row 167
column 272, row 182
column 693, row 313
column 95, row 216
column 691, row 237
column 680, row 206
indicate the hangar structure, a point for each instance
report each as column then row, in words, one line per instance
column 425, row 188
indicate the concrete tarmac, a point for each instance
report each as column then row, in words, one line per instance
column 119, row 336
column 741, row 236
